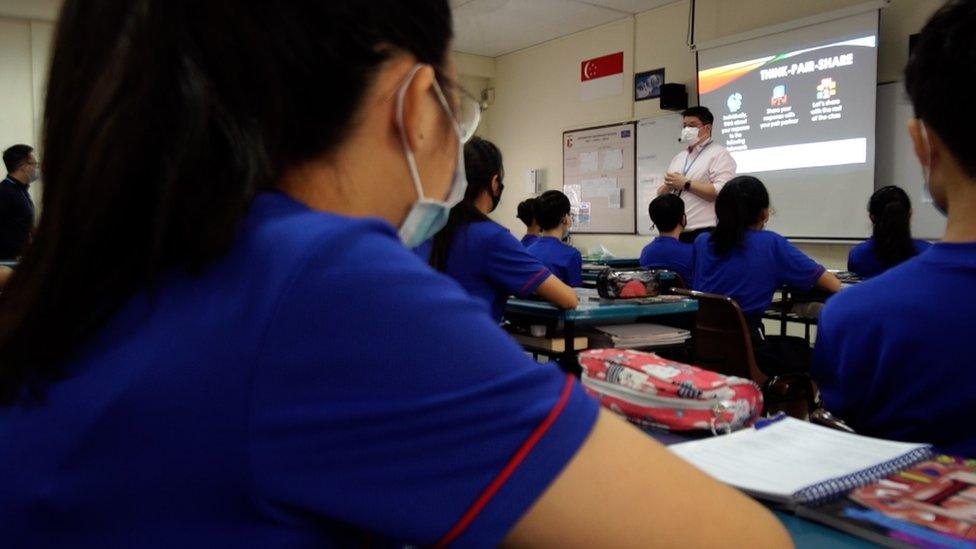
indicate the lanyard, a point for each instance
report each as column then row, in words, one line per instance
column 687, row 165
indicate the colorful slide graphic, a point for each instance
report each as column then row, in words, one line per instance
column 808, row 108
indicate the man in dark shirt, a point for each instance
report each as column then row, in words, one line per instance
column 16, row 206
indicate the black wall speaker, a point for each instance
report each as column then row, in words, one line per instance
column 674, row 97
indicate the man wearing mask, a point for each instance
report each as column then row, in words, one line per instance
column 16, row 206
column 698, row 172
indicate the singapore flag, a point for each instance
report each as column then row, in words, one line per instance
column 602, row 76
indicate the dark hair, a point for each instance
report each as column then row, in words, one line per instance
column 550, row 209
column 482, row 162
column 526, row 211
column 946, row 48
column 701, row 113
column 162, row 121
column 15, row 156
column 891, row 209
column 739, row 205
column 666, row 212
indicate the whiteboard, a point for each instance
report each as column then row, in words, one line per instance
column 896, row 162
column 657, row 143
column 598, row 178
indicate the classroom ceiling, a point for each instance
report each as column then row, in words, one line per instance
column 496, row 27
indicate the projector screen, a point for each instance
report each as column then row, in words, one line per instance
column 797, row 110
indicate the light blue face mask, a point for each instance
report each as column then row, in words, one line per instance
column 427, row 216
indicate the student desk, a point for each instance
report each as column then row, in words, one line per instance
column 805, row 533
column 620, row 263
column 591, row 312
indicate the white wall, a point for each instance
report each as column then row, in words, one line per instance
column 25, row 48
column 537, row 89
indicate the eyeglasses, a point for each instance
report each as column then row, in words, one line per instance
column 468, row 111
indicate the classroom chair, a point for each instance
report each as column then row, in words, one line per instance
column 722, row 344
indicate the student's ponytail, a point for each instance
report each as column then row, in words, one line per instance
column 738, row 206
column 890, row 209
column 482, row 162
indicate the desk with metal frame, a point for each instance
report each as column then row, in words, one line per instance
column 783, row 310
column 594, row 312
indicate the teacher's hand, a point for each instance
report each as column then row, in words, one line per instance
column 675, row 181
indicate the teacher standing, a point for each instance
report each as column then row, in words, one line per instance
column 698, row 172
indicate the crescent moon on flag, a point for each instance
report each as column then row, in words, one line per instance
column 586, row 69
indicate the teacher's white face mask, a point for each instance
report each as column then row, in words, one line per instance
column 689, row 135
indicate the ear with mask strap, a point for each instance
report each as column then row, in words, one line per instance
column 427, row 216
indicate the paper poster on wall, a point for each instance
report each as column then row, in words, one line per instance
column 598, row 172
column 589, row 162
column 598, row 188
column 574, row 193
column 613, row 160
column 583, row 217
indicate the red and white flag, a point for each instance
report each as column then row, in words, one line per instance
column 602, row 76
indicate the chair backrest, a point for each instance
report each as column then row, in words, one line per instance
column 721, row 336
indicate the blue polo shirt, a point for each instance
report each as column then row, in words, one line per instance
column 861, row 259
column 893, row 355
column 294, row 394
column 563, row 260
column 528, row 239
column 490, row 264
column 751, row 273
column 669, row 253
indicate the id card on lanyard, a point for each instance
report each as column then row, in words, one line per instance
column 688, row 165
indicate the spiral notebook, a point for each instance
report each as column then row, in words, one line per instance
column 794, row 463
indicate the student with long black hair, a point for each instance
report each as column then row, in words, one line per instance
column 482, row 255
column 891, row 241
column 747, row 263
column 220, row 338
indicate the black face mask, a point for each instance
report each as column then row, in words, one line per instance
column 496, row 198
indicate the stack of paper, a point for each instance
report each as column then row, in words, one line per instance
column 633, row 336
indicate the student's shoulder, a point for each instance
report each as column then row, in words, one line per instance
column 922, row 245
column 862, row 248
column 568, row 250
column 489, row 230
column 876, row 299
column 282, row 230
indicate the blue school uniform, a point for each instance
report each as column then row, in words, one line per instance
column 528, row 239
column 563, row 260
column 893, row 353
column 861, row 259
column 669, row 253
column 751, row 273
column 294, row 394
column 490, row 264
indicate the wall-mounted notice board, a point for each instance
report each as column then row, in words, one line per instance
column 599, row 167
